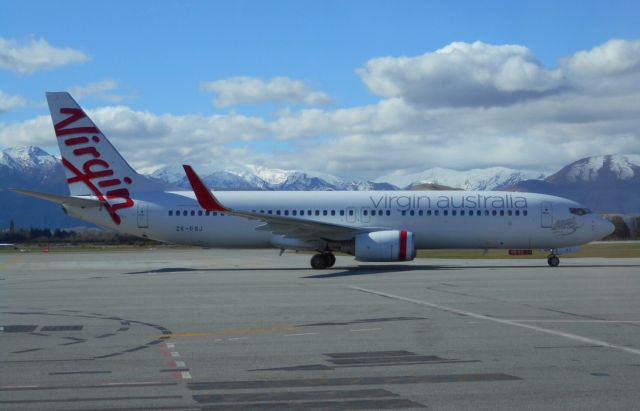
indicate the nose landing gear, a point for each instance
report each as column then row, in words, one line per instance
column 322, row 261
column 553, row 260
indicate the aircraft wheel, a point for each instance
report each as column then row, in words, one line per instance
column 318, row 262
column 329, row 259
column 553, row 261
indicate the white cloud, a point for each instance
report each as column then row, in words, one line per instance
column 242, row 90
column 36, row 54
column 590, row 109
column 8, row 103
column 462, row 75
column 98, row 89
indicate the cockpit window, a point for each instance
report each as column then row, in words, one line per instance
column 580, row 211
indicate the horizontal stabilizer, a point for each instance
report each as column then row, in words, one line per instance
column 65, row 200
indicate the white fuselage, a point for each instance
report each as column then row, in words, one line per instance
column 438, row 219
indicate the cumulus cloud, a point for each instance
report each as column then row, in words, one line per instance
column 461, row 75
column 586, row 106
column 242, row 90
column 36, row 54
column 8, row 103
column 99, row 89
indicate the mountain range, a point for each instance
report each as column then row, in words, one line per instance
column 609, row 183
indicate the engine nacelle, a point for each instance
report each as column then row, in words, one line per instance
column 383, row 246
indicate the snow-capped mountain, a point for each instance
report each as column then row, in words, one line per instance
column 612, row 167
column 29, row 165
column 609, row 183
column 262, row 178
column 28, row 158
column 475, row 179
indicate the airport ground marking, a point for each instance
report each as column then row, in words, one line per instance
column 562, row 334
column 365, row 329
column 299, row 334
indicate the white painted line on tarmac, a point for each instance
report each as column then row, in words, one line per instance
column 237, row 338
column 299, row 335
column 529, row 320
column 365, row 329
column 504, row 321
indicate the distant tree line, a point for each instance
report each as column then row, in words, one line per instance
column 46, row 235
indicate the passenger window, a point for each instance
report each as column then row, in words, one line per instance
column 486, row 212
column 501, row 212
column 365, row 212
column 200, row 213
column 317, row 212
column 453, row 212
column 517, row 212
column 333, row 212
column 170, row 213
column 277, row 212
column 510, row 213
column 184, row 212
column 301, row 212
column 350, row 212
column 269, row 211
column 478, row 212
column 294, row 212
column 445, row 212
column 411, row 212
column 324, row 212
column 524, row 212
column 207, row 213
column 286, row 212
column 388, row 212
column 342, row 212
column 420, row 212
column 429, row 212
column 215, row 214
column 437, row 212
column 494, row 213
column 193, row 212
column 461, row 212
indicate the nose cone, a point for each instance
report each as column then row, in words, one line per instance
column 602, row 228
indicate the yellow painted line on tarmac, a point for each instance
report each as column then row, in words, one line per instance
column 11, row 261
column 235, row 331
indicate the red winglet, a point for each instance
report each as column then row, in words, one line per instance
column 206, row 199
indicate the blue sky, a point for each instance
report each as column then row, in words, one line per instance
column 154, row 57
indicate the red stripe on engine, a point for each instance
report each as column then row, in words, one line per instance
column 403, row 245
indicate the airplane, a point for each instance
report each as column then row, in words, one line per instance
column 373, row 226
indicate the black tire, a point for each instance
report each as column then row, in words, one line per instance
column 329, row 260
column 318, row 262
column 553, row 261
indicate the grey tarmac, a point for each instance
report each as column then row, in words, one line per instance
column 190, row 329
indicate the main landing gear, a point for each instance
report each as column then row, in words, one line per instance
column 324, row 260
column 553, row 260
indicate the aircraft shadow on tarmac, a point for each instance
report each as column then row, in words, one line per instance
column 370, row 269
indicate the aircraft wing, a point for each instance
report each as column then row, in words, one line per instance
column 291, row 227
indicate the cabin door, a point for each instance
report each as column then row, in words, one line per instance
column 143, row 215
column 546, row 214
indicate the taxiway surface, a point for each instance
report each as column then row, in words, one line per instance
column 226, row 330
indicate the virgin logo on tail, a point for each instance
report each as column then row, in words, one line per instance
column 96, row 173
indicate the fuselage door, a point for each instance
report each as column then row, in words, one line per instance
column 546, row 214
column 351, row 214
column 365, row 215
column 143, row 214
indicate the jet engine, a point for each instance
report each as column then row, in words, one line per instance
column 383, row 246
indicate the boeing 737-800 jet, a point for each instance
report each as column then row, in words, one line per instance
column 379, row 226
